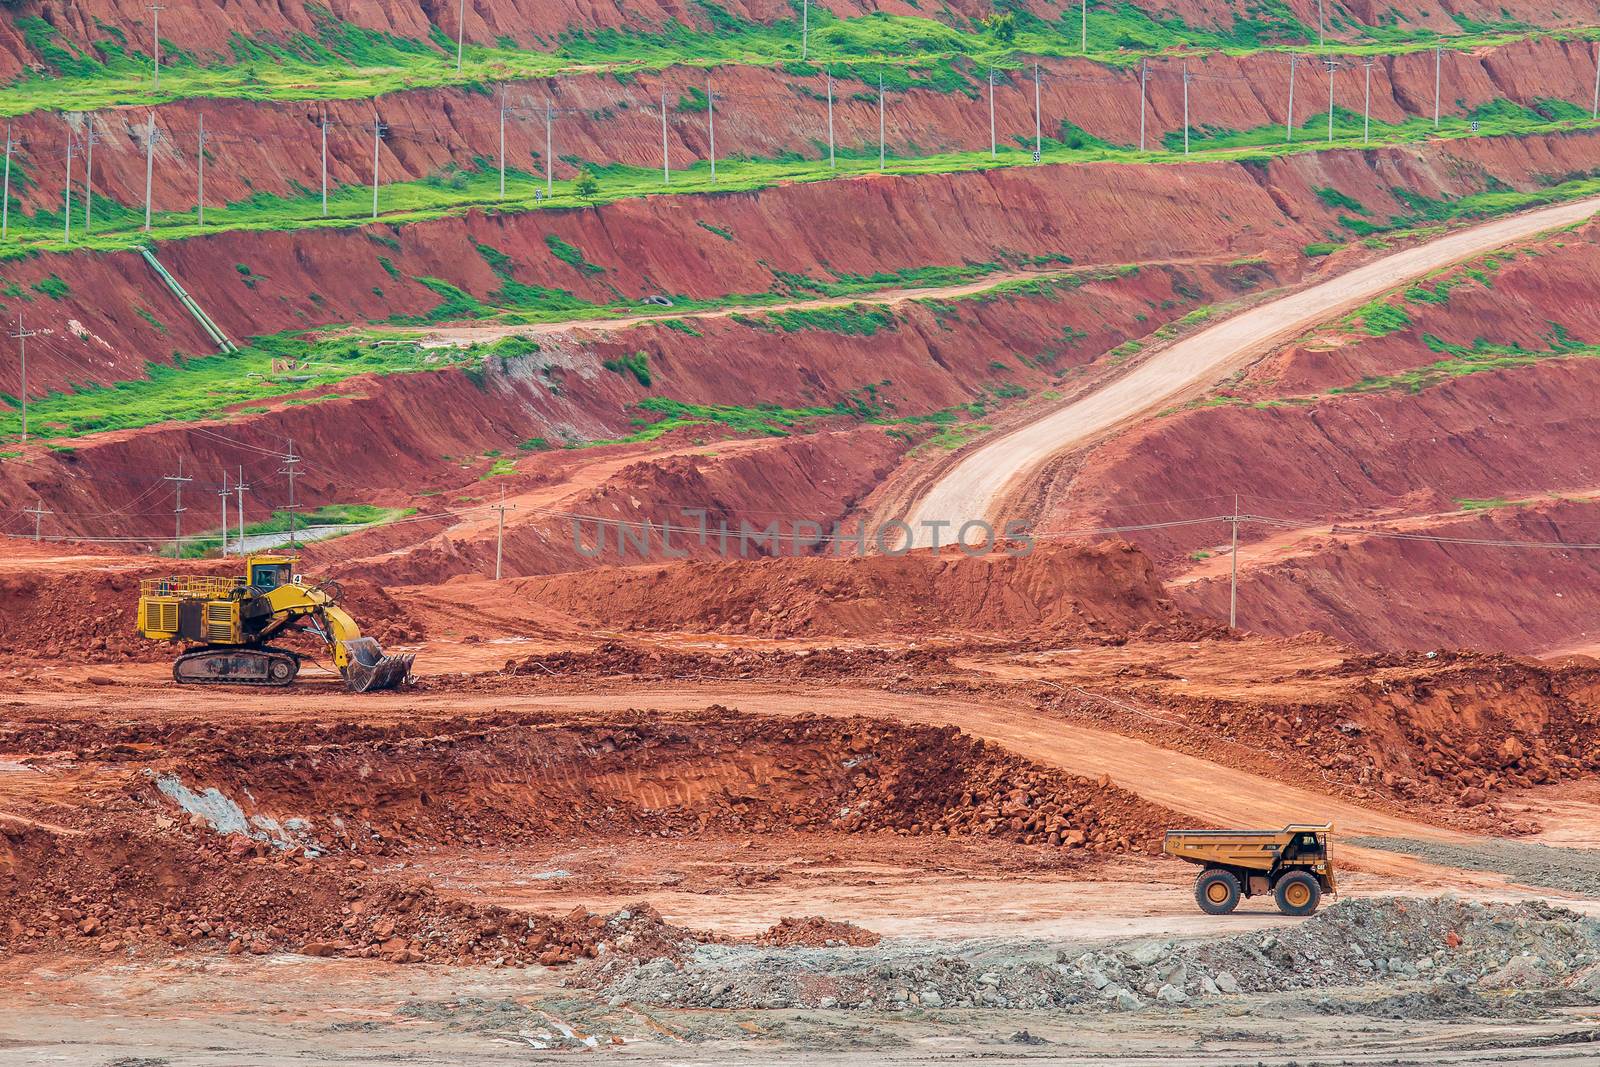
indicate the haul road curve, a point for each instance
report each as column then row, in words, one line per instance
column 975, row 485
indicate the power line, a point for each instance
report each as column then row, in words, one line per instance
column 178, row 481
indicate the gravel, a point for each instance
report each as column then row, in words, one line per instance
column 1575, row 870
column 1449, row 950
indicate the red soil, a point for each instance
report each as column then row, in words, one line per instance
column 1390, row 457
column 116, row 877
column 273, row 148
column 1115, row 213
column 817, row 477
column 1067, row 588
column 1366, row 590
column 927, row 359
column 178, row 890
column 207, row 34
column 814, row 931
column 1458, row 731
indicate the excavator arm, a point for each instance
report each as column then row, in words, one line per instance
column 360, row 660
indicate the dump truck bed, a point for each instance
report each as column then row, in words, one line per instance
column 1250, row 849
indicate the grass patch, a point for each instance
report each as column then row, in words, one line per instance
column 638, row 365
column 1462, row 360
column 352, row 515
column 571, row 255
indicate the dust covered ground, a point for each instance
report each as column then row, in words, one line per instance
column 728, row 836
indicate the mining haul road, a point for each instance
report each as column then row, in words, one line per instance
column 976, row 485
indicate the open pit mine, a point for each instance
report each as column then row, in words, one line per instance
column 1050, row 531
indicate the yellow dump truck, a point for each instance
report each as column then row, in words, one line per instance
column 1292, row 864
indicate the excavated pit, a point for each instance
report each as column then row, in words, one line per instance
column 310, row 837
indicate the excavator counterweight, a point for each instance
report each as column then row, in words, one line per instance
column 231, row 620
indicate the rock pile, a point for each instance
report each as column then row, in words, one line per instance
column 814, row 931
column 1443, row 945
column 1530, row 945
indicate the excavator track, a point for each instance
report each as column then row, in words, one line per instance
column 236, row 666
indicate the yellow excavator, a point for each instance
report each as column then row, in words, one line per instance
column 232, row 619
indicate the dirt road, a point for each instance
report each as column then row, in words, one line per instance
column 975, row 486
column 478, row 333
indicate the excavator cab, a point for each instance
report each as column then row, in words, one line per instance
column 269, row 572
column 233, row 619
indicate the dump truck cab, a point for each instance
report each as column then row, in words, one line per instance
column 1293, row 864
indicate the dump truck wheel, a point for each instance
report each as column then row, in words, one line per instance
column 1297, row 893
column 1216, row 891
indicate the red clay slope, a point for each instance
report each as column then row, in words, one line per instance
column 1096, row 213
column 207, row 31
column 272, row 148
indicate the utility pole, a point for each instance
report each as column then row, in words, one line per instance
column 1290, row 123
column 290, row 465
column 1594, row 110
column 549, row 160
column 5, row 194
column 1366, row 105
column 880, row 120
column 711, row 124
column 805, row 42
column 66, row 215
column 223, row 493
column 461, row 31
column 377, row 136
column 178, row 509
column 1144, row 78
column 500, row 530
column 38, row 511
column 149, row 166
column 994, row 151
column 1233, row 580
column 200, row 169
column 155, row 35
column 502, row 142
column 1437, row 52
column 1186, row 107
column 666, row 168
column 89, row 139
column 22, row 336
column 1083, row 45
column 239, row 489
column 832, row 163
column 1038, row 142
column 1322, row 21
column 324, row 125
column 1332, row 65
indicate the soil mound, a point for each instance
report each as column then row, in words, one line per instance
column 1070, row 588
column 1439, row 730
column 814, row 931
column 171, row 888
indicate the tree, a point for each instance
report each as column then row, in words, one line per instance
column 1002, row 27
column 587, row 187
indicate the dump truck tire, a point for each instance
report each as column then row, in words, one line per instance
column 1297, row 893
column 1216, row 891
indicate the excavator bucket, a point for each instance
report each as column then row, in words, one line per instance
column 370, row 669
